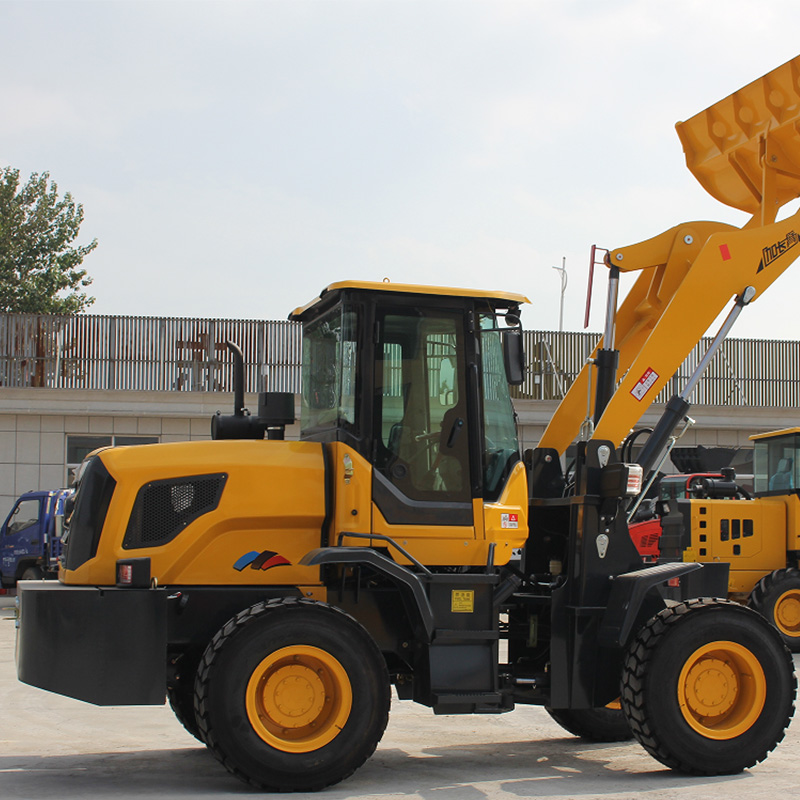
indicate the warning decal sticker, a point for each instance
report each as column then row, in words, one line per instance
column 509, row 520
column 462, row 601
column 644, row 383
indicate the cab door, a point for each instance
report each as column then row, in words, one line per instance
column 22, row 533
column 421, row 487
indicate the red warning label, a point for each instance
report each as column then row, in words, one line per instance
column 509, row 521
column 644, row 383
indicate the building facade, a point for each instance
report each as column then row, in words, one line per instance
column 71, row 384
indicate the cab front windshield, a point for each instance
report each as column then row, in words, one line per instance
column 329, row 372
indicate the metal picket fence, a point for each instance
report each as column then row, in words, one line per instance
column 189, row 354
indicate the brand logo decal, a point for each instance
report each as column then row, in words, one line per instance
column 266, row 559
column 769, row 254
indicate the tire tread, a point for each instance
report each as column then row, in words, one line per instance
column 634, row 685
column 231, row 629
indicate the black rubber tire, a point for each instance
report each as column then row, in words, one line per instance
column 237, row 654
column 764, row 599
column 593, row 724
column 180, row 691
column 33, row 574
column 181, row 701
column 652, row 673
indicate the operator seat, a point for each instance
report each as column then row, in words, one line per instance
column 782, row 479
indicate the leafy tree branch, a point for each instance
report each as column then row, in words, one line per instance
column 40, row 269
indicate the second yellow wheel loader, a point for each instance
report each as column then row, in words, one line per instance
column 759, row 536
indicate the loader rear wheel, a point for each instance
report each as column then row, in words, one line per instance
column 708, row 687
column 292, row 695
column 777, row 597
column 595, row 724
column 182, row 704
column 180, row 690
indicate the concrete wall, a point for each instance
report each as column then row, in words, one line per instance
column 715, row 426
column 35, row 423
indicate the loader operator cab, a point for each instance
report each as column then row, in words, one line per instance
column 416, row 380
column 775, row 461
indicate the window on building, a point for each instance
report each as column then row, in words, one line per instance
column 78, row 447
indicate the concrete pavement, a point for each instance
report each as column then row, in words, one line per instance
column 53, row 746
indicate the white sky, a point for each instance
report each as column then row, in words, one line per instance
column 233, row 158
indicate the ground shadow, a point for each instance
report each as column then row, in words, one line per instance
column 552, row 768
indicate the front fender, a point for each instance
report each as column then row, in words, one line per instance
column 631, row 590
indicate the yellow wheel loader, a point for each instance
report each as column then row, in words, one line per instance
column 759, row 537
column 275, row 590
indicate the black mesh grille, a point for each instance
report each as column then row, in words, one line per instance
column 164, row 508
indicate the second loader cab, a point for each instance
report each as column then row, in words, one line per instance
column 775, row 462
column 409, row 384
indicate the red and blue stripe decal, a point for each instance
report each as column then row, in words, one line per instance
column 263, row 560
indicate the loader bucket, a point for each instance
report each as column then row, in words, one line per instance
column 745, row 149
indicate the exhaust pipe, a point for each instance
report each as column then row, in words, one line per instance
column 275, row 409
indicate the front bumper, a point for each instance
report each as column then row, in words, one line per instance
column 103, row 645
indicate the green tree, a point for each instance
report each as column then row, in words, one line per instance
column 40, row 272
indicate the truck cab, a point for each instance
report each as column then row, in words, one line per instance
column 30, row 537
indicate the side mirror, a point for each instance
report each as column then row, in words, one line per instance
column 514, row 356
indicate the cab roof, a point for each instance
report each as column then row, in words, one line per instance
column 772, row 434
column 501, row 299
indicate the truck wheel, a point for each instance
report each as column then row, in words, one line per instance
column 777, row 597
column 607, row 724
column 708, row 687
column 33, row 574
column 292, row 695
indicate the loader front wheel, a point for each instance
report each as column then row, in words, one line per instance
column 595, row 724
column 708, row 687
column 292, row 695
column 777, row 597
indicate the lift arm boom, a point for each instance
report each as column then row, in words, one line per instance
column 745, row 151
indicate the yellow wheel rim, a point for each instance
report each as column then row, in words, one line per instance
column 298, row 699
column 614, row 705
column 722, row 690
column 787, row 613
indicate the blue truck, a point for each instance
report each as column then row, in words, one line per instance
column 30, row 538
